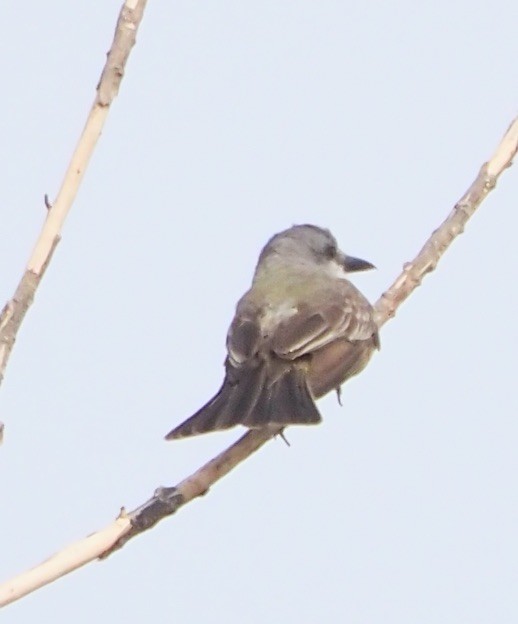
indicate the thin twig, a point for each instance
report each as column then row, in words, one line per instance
column 14, row 310
column 167, row 500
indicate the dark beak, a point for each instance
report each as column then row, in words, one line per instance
column 353, row 265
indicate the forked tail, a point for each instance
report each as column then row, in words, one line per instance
column 253, row 397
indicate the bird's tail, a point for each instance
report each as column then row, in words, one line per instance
column 255, row 398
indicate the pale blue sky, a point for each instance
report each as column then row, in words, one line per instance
column 236, row 120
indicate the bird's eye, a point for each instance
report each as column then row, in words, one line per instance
column 330, row 251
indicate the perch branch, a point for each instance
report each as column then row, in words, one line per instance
column 432, row 251
column 167, row 500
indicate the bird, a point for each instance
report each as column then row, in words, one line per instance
column 299, row 332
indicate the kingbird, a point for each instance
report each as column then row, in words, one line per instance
column 299, row 332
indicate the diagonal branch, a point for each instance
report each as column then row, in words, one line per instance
column 432, row 251
column 14, row 310
column 167, row 500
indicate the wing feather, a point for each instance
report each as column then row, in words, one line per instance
column 292, row 330
column 343, row 314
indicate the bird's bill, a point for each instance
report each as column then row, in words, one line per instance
column 353, row 265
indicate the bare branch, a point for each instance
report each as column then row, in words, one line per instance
column 67, row 560
column 14, row 310
column 432, row 251
column 167, row 500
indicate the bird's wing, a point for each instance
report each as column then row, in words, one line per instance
column 294, row 330
column 346, row 316
column 243, row 338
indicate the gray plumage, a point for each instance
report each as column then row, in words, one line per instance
column 300, row 331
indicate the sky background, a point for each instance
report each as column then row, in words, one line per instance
column 236, row 120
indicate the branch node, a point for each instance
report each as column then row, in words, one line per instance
column 164, row 502
column 6, row 314
column 123, row 514
column 490, row 181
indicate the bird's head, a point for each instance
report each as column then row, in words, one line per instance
column 310, row 245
